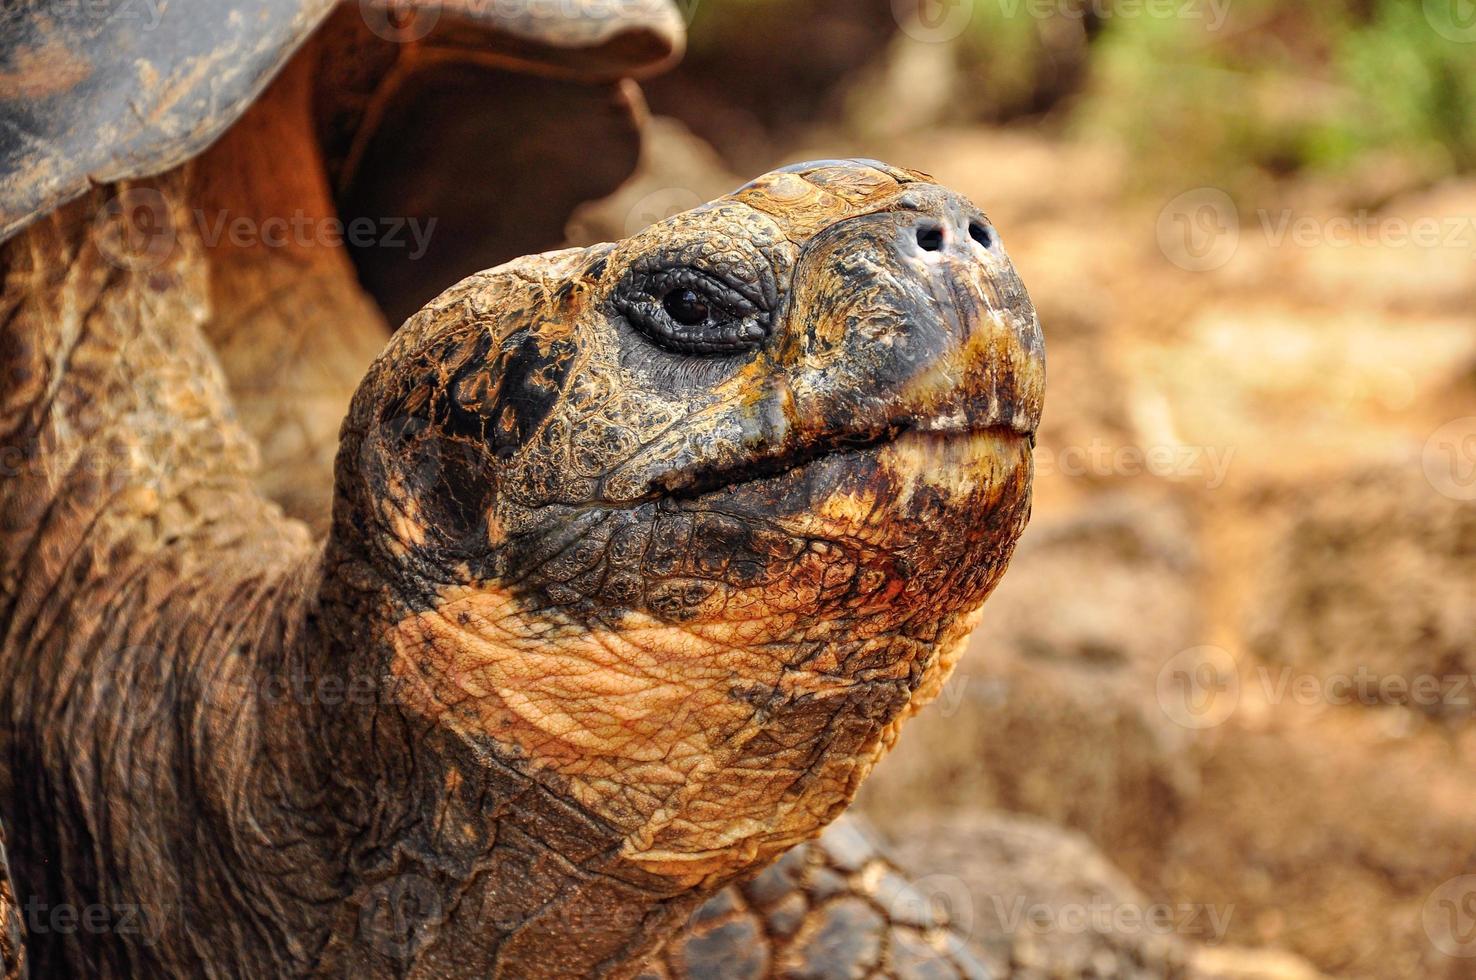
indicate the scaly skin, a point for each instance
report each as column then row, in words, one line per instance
column 613, row 610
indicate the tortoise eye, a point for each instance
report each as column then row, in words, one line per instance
column 686, row 307
column 691, row 311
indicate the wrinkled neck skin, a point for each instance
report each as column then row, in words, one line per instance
column 534, row 816
column 146, row 593
column 202, row 771
column 229, row 750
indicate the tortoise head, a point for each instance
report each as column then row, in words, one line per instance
column 689, row 523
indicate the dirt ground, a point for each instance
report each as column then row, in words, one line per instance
column 1228, row 680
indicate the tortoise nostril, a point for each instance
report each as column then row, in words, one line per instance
column 930, row 238
column 981, row 234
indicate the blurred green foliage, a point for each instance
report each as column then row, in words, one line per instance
column 1282, row 88
column 1225, row 92
column 1420, row 84
column 712, row 24
column 1016, row 62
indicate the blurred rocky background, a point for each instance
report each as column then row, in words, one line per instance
column 1218, row 721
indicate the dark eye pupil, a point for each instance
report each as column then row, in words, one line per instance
column 685, row 306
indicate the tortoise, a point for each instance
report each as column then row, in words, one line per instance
column 695, row 569
column 640, row 555
column 298, row 116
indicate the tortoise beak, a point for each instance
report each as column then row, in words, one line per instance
column 913, row 318
column 989, row 372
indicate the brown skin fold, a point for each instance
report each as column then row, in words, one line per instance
column 620, row 602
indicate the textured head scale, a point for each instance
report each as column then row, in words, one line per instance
column 687, row 524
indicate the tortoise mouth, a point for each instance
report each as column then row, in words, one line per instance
column 706, row 481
